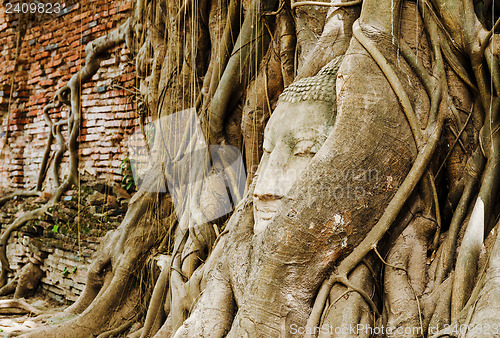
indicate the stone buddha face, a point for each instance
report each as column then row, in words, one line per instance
column 293, row 135
column 297, row 129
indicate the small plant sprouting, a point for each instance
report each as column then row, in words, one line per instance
column 55, row 228
column 66, row 272
column 126, row 170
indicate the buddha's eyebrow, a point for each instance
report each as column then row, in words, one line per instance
column 306, row 133
column 292, row 140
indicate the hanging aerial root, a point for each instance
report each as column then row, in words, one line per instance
column 224, row 51
column 248, row 51
column 46, row 155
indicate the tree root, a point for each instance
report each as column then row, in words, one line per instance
column 19, row 304
column 157, row 299
column 105, row 290
column 15, row 194
column 465, row 270
column 46, row 155
column 119, row 330
column 446, row 259
column 393, row 80
column 475, row 233
column 10, row 287
column 399, row 199
column 346, row 309
column 324, row 292
column 248, row 50
column 29, row 216
column 404, row 289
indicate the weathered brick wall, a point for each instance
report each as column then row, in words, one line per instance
column 65, row 262
column 50, row 51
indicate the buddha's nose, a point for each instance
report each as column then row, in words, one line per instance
column 272, row 182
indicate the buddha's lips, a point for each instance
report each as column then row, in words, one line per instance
column 266, row 210
column 265, row 215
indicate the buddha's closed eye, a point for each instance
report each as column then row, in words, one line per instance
column 306, row 148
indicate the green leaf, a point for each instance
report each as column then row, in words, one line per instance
column 65, row 272
column 74, row 270
column 55, row 228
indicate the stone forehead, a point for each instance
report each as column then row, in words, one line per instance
column 320, row 87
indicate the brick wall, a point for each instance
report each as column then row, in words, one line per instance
column 49, row 52
column 65, row 263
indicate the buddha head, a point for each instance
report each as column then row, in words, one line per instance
column 298, row 127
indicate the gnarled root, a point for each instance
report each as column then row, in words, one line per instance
column 16, row 306
column 112, row 297
column 347, row 308
column 405, row 276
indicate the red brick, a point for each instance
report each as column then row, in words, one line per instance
column 37, row 72
column 87, row 19
column 36, row 96
column 57, row 73
column 9, row 68
column 73, row 57
column 125, row 7
column 78, row 17
column 73, row 38
column 45, row 83
column 127, row 77
column 98, row 28
column 53, row 63
column 46, row 37
column 33, row 80
column 74, row 44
